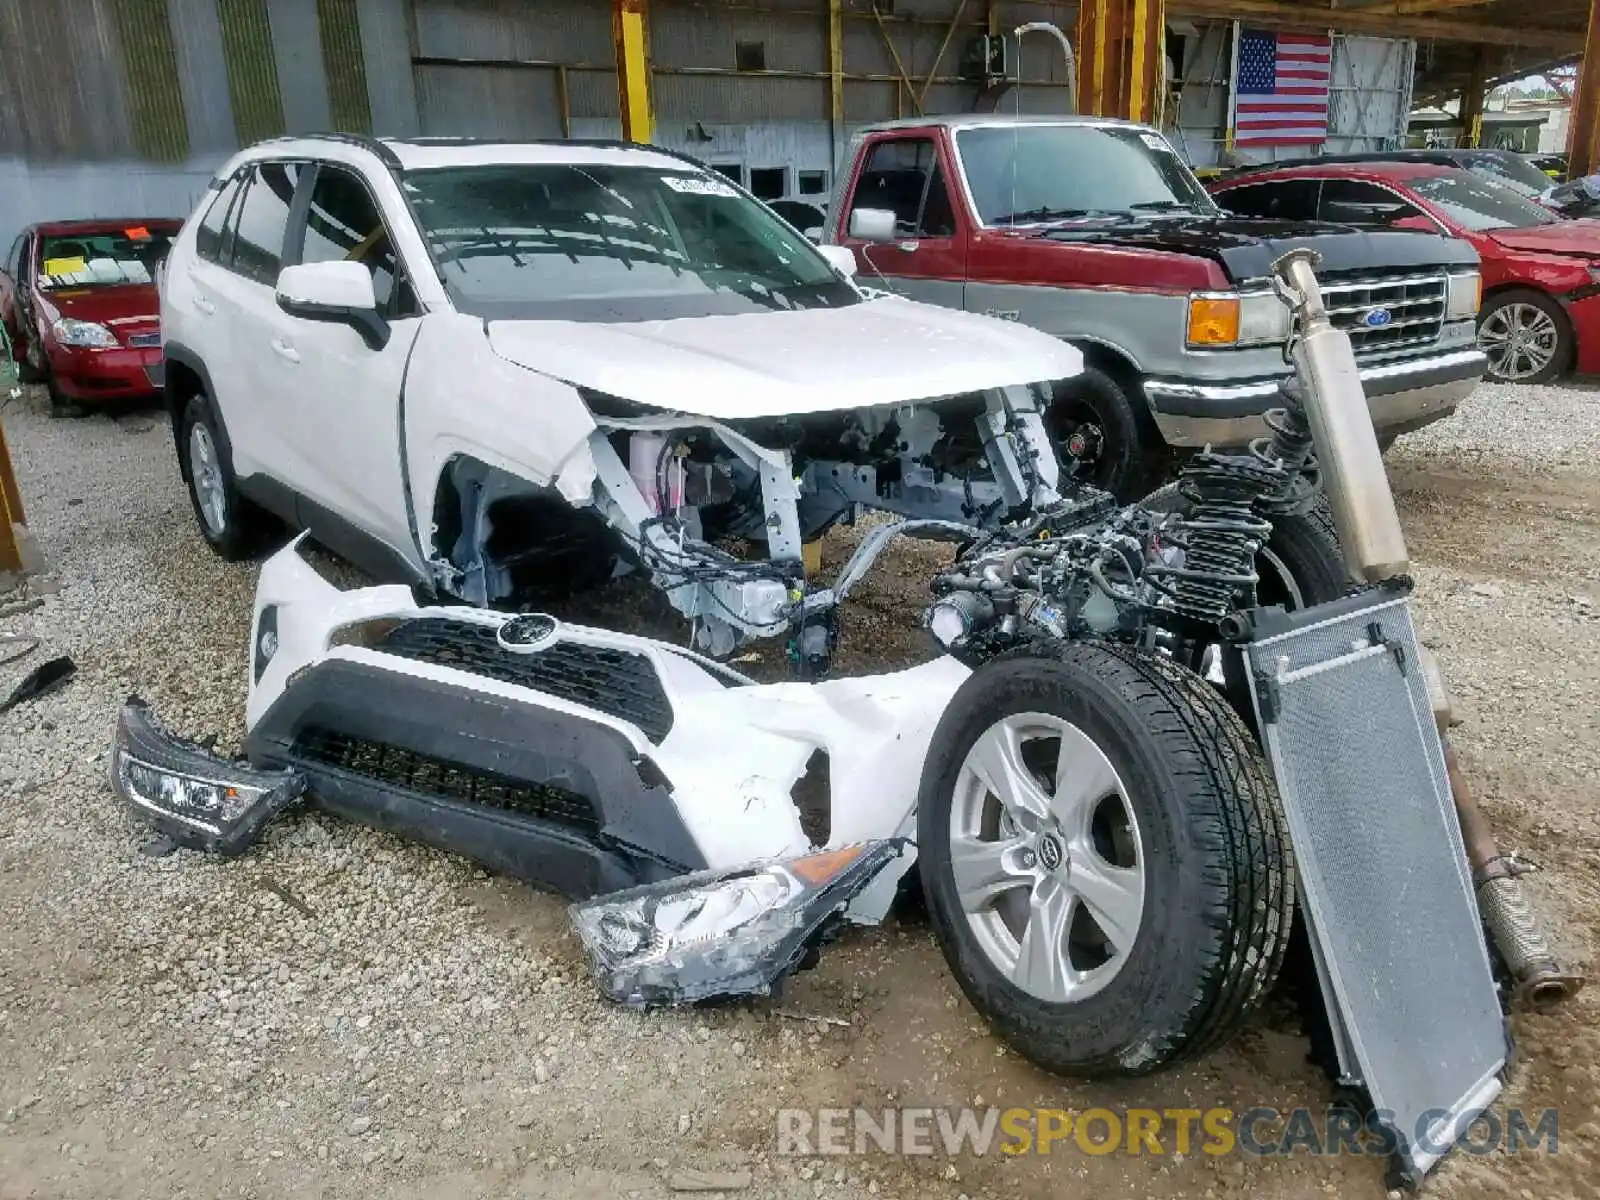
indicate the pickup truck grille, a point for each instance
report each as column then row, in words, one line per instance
column 1415, row 304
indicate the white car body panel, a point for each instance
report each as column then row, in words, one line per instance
column 882, row 352
column 733, row 754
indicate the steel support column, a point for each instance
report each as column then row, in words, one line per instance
column 1121, row 45
column 628, row 26
column 1583, row 144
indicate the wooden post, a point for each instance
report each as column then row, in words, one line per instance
column 1121, row 45
column 11, row 515
column 1472, row 99
column 628, row 25
column 1583, row 145
column 836, row 82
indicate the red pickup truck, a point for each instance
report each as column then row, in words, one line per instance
column 1095, row 230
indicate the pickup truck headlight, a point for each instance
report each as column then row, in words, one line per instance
column 69, row 331
column 1222, row 320
column 1463, row 295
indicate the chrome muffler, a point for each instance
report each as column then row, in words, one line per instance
column 1353, row 476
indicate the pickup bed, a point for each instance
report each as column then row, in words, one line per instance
column 1096, row 231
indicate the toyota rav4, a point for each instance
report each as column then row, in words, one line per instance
column 489, row 369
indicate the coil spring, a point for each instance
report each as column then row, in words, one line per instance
column 1291, row 446
column 1222, row 532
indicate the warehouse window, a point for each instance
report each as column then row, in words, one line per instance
column 768, row 183
column 734, row 171
column 749, row 56
column 813, row 183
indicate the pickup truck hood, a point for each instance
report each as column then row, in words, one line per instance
column 882, row 351
column 1559, row 237
column 1246, row 247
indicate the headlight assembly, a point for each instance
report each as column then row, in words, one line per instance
column 728, row 932
column 69, row 331
column 194, row 797
column 1462, row 296
column 1225, row 320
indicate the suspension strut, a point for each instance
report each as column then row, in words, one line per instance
column 1221, row 533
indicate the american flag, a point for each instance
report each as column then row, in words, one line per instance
column 1281, row 93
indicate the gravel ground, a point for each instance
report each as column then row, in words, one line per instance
column 340, row 1012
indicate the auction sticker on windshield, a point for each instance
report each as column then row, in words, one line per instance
column 61, row 267
column 698, row 185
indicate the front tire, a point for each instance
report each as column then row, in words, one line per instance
column 1098, row 438
column 1526, row 336
column 234, row 527
column 1104, row 858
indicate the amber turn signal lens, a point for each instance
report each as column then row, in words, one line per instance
column 1213, row 320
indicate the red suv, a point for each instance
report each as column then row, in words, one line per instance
column 79, row 302
column 1540, row 312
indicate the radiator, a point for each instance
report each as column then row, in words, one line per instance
column 1398, row 942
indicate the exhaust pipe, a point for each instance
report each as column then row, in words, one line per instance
column 1347, row 445
column 1368, row 522
column 1515, row 929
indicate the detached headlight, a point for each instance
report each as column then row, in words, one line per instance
column 1463, row 295
column 1221, row 320
column 194, row 797
column 722, row 933
column 69, row 331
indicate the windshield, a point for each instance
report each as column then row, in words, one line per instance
column 1513, row 170
column 103, row 258
column 1477, row 203
column 596, row 242
column 1021, row 174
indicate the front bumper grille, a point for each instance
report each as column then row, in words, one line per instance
column 620, row 683
column 1415, row 305
column 399, row 767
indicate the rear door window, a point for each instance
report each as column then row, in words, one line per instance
column 1354, row 202
column 1282, row 200
column 261, row 222
column 208, row 238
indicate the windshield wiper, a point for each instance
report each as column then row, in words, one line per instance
column 1052, row 214
column 1163, row 206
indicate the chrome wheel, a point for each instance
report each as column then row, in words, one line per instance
column 205, row 472
column 1520, row 340
column 1046, row 858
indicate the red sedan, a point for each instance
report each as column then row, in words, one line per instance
column 1540, row 312
column 79, row 301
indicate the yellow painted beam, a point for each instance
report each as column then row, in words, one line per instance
column 628, row 25
column 1471, row 106
column 1121, row 47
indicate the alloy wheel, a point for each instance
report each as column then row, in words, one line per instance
column 1520, row 340
column 205, row 472
column 1046, row 857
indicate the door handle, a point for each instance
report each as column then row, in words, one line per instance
column 203, row 305
column 907, row 247
column 284, row 350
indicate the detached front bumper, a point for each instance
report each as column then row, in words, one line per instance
column 1401, row 396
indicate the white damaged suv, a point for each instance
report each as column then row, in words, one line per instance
column 489, row 369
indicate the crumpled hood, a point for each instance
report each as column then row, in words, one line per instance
column 883, row 351
column 1577, row 236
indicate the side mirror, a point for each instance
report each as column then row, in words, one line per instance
column 872, row 224
column 339, row 292
column 841, row 258
column 1417, row 222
